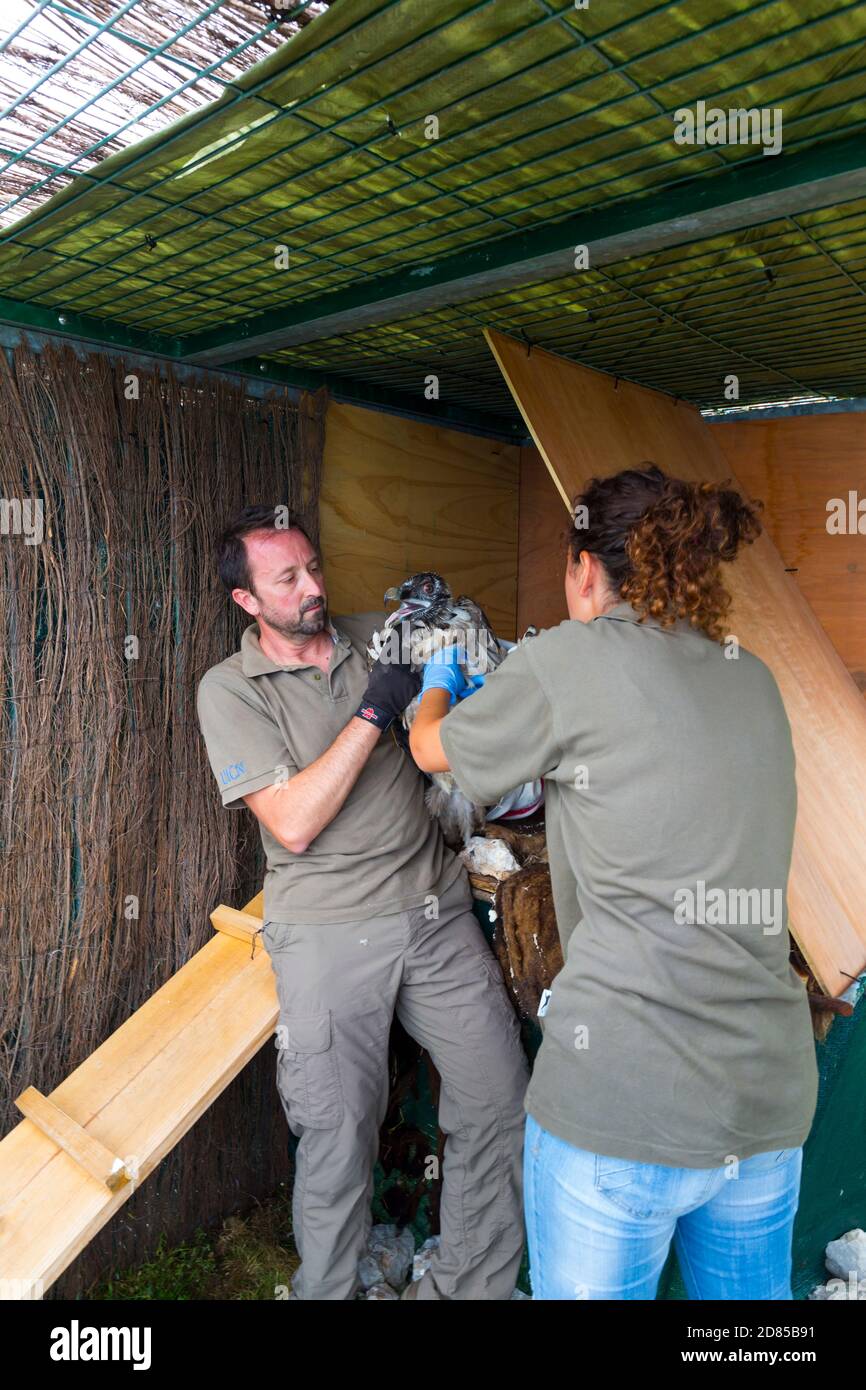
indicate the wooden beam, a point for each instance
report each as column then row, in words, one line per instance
column 241, row 925
column 586, row 422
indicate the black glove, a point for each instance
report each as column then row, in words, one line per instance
column 391, row 686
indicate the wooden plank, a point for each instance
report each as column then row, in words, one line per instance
column 140, row 1091
column 585, row 422
column 241, row 925
column 68, row 1135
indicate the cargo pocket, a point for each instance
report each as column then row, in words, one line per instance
column 308, row 1074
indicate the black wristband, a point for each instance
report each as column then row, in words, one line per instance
column 374, row 714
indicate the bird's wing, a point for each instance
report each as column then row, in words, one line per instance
column 470, row 616
column 475, row 609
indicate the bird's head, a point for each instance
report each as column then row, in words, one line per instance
column 421, row 596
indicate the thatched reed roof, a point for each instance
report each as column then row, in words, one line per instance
column 80, row 81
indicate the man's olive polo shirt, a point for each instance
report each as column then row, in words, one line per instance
column 263, row 723
column 677, row 1031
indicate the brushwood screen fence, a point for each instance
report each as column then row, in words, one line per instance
column 114, row 482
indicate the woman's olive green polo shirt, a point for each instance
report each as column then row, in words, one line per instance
column 677, row 1031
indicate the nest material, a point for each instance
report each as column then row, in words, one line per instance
column 525, row 938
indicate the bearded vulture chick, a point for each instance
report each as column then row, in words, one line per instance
column 434, row 619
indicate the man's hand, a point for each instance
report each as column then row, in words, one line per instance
column 391, row 686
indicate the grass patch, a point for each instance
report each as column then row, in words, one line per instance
column 249, row 1257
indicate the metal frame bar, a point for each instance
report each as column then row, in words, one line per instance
column 129, row 160
column 262, row 376
column 746, row 195
column 853, row 405
column 366, row 269
column 295, row 111
column 67, row 58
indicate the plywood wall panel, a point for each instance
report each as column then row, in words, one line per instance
column 796, row 465
column 399, row 496
column 584, row 423
column 542, row 546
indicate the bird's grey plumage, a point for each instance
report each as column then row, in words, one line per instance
column 427, row 618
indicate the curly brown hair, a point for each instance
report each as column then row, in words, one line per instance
column 661, row 541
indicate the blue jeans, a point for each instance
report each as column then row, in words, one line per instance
column 601, row 1228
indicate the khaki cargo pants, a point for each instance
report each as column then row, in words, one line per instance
column 339, row 986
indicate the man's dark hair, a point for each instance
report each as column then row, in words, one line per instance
column 231, row 552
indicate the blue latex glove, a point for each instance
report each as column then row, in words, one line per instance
column 444, row 672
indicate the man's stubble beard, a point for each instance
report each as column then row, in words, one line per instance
column 314, row 621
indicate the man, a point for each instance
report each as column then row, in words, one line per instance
column 367, row 914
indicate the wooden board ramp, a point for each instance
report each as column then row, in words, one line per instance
column 586, row 423
column 81, row 1152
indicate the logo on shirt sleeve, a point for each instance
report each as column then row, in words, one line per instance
column 231, row 773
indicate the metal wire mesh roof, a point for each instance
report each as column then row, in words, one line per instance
column 357, row 205
column 775, row 304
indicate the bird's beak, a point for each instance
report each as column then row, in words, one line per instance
column 392, row 595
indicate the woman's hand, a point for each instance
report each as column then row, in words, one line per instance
column 444, row 671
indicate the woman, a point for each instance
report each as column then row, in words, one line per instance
column 676, row 1080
